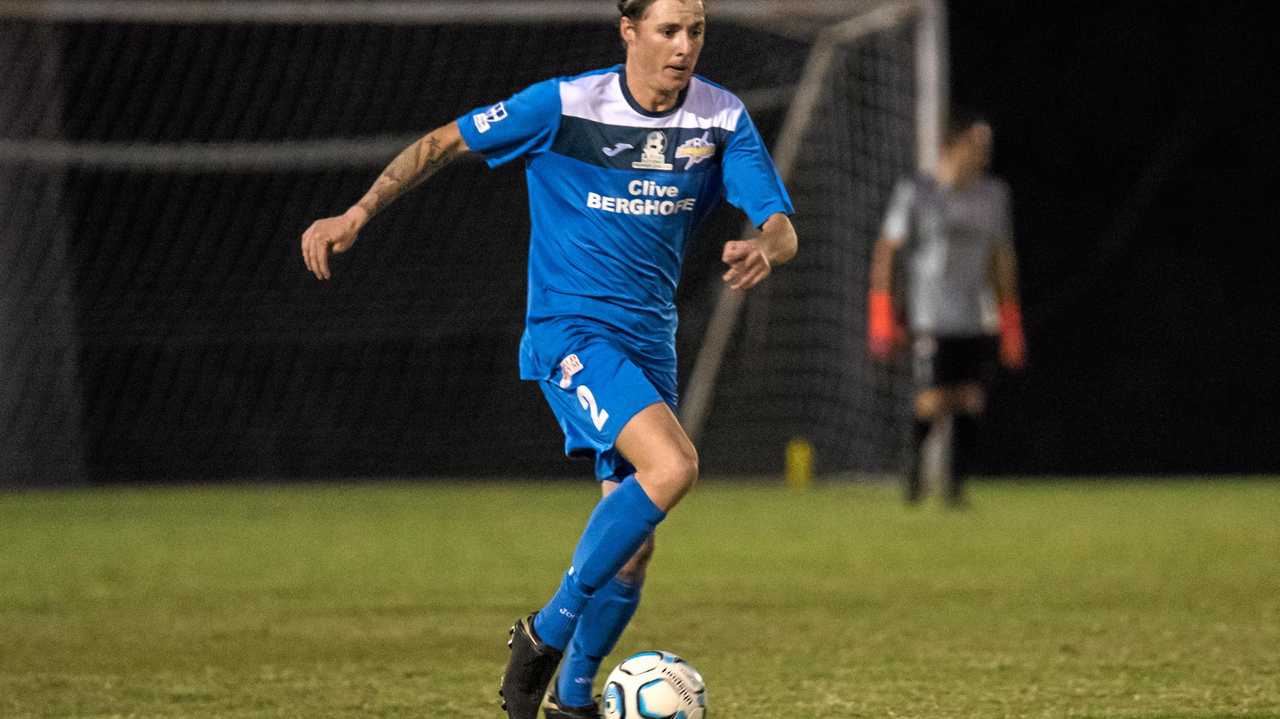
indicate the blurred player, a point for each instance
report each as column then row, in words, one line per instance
column 622, row 164
column 955, row 231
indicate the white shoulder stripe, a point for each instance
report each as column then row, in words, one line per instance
column 599, row 98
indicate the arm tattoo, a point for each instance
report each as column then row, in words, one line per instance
column 411, row 167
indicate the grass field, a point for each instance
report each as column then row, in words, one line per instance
column 1101, row 599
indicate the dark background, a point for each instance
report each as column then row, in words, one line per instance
column 161, row 327
column 1139, row 139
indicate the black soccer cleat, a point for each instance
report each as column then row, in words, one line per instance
column 553, row 709
column 529, row 671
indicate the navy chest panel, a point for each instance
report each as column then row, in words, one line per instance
column 676, row 149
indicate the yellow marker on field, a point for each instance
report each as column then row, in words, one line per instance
column 799, row 464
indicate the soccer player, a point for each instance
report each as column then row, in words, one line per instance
column 622, row 164
column 955, row 231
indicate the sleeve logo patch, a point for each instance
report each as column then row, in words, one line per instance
column 488, row 118
column 696, row 149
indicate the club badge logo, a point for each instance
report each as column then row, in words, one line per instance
column 696, row 149
column 654, row 154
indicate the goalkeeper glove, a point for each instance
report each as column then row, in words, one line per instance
column 1013, row 345
column 881, row 326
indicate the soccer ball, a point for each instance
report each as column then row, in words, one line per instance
column 655, row 685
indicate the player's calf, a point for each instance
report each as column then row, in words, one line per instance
column 913, row 472
column 634, row 570
column 964, row 441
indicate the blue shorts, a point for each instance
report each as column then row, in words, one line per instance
column 596, row 392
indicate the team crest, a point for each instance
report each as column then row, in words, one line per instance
column 696, row 149
column 654, row 154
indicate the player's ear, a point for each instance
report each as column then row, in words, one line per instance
column 627, row 30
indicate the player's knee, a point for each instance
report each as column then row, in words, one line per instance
column 929, row 404
column 674, row 475
column 685, row 468
column 634, row 570
column 970, row 399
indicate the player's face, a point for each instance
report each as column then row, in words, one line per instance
column 978, row 142
column 664, row 45
column 970, row 151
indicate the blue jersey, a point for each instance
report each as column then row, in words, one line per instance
column 615, row 192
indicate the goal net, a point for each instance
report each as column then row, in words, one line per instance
column 161, row 159
column 789, row 360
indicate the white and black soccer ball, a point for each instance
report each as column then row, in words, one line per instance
column 655, row 685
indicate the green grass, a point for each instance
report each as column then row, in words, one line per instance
column 1134, row 599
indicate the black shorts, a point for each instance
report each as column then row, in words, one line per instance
column 947, row 361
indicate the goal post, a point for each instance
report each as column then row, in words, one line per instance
column 861, row 426
column 787, row 13
column 165, row 154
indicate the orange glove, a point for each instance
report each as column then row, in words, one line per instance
column 882, row 330
column 1013, row 345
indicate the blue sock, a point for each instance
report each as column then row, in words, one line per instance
column 602, row 623
column 618, row 526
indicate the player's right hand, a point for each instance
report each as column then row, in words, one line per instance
column 882, row 329
column 332, row 234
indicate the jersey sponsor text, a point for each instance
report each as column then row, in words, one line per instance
column 643, row 202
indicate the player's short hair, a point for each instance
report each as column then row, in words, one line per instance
column 634, row 9
column 961, row 120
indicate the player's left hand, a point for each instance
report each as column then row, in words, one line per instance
column 1013, row 351
column 747, row 264
column 1013, row 344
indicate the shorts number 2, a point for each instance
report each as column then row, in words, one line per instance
column 588, row 402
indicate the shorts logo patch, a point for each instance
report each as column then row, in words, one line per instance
column 569, row 366
column 490, row 117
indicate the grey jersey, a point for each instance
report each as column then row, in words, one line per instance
column 947, row 238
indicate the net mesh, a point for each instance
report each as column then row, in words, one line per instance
column 798, row 366
column 40, row 402
column 159, row 324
